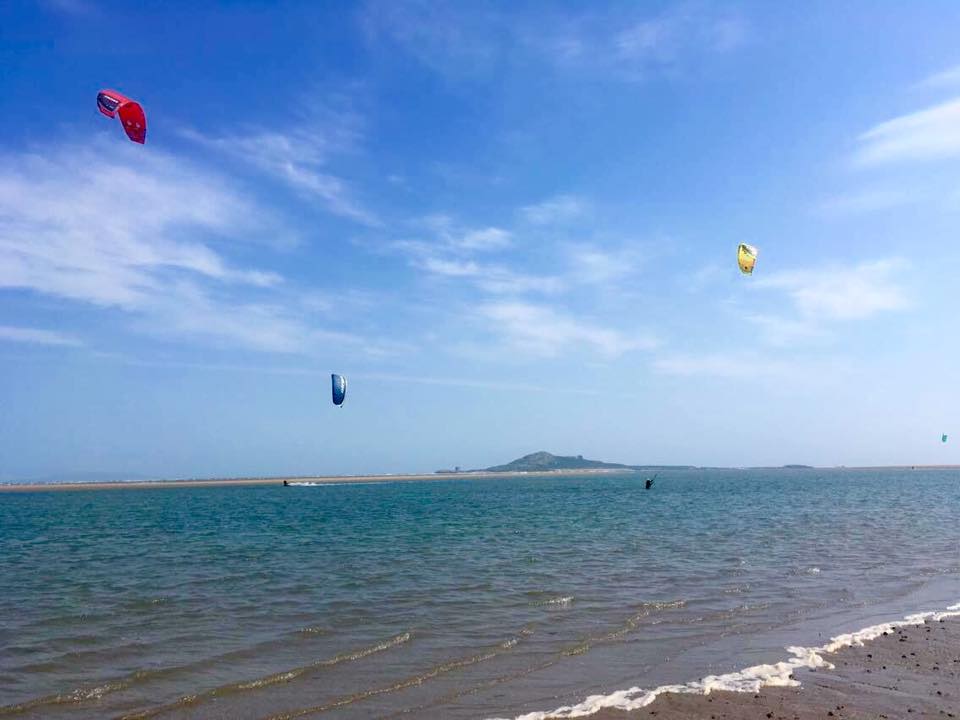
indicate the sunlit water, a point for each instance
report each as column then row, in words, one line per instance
column 452, row 598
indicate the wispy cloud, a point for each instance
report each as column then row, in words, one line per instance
column 948, row 78
column 136, row 230
column 494, row 279
column 300, row 158
column 559, row 209
column 790, row 375
column 70, row 7
column 865, row 201
column 929, row 134
column 36, row 336
column 474, row 39
column 662, row 40
column 723, row 365
column 454, row 251
column 464, row 39
column 784, row 331
column 842, row 293
column 451, row 236
column 544, row 331
column 633, row 46
column 595, row 265
column 451, row 250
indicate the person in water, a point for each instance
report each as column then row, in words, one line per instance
column 286, row 484
column 649, row 483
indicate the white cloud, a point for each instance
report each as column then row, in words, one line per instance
column 299, row 158
column 36, row 336
column 451, row 249
column 560, row 209
column 842, row 293
column 100, row 227
column 70, row 7
column 491, row 278
column 490, row 238
column 134, row 229
column 453, row 252
column 477, row 40
column 793, row 375
column 543, row 331
column 638, row 47
column 460, row 39
column 593, row 265
column 946, row 78
column 450, row 236
column 930, row 134
column 784, row 331
column 724, row 365
column 865, row 201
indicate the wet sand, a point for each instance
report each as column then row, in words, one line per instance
column 319, row 480
column 913, row 672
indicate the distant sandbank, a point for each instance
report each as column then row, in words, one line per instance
column 316, row 480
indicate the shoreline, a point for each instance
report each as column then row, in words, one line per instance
column 315, row 480
column 891, row 670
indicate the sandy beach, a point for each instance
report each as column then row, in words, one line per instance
column 315, row 480
column 913, row 671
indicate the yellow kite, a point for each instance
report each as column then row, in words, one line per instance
column 746, row 258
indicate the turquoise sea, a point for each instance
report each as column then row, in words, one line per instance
column 450, row 598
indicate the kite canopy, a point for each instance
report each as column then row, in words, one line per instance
column 746, row 258
column 111, row 103
column 339, row 383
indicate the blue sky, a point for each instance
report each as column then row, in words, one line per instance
column 511, row 225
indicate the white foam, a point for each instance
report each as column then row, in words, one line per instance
column 335, row 484
column 750, row 679
column 564, row 601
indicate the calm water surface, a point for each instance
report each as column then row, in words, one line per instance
column 448, row 599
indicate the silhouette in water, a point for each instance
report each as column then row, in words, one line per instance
column 286, row 484
column 649, row 483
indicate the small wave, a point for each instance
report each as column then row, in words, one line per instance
column 750, row 679
column 70, row 698
column 436, row 671
column 81, row 695
column 631, row 624
column 280, row 677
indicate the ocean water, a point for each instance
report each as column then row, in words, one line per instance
column 451, row 598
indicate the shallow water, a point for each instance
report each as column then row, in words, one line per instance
column 450, row 598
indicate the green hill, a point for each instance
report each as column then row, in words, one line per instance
column 541, row 461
